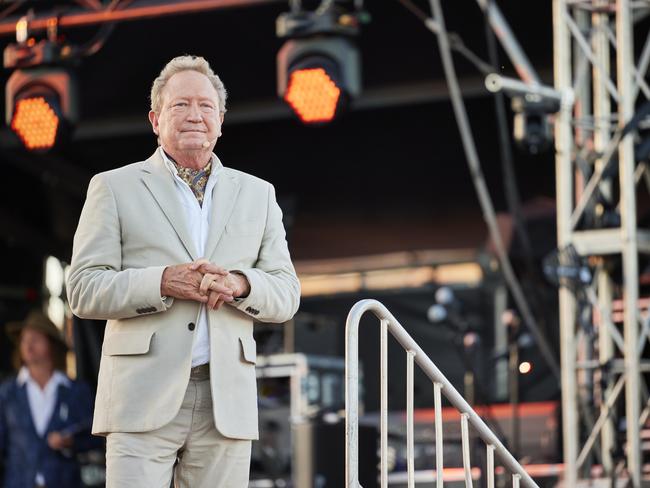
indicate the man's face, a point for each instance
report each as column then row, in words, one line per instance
column 34, row 347
column 189, row 116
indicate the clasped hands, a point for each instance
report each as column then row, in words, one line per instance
column 203, row 282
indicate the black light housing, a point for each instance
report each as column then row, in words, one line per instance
column 318, row 68
column 40, row 96
column 40, row 106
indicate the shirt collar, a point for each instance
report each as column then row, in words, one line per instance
column 216, row 164
column 58, row 378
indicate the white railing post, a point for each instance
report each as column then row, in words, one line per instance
column 490, row 466
column 384, row 405
column 410, row 454
column 437, row 404
column 464, row 434
column 352, row 405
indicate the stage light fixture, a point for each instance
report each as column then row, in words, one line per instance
column 532, row 129
column 40, row 95
column 313, row 95
column 318, row 67
column 318, row 77
column 40, row 106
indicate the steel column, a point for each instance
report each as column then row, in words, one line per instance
column 625, row 60
column 564, row 189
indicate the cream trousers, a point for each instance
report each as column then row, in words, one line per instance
column 189, row 446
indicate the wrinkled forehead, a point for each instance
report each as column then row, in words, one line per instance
column 189, row 84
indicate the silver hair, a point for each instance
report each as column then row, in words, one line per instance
column 186, row 63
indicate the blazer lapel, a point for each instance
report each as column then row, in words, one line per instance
column 224, row 196
column 160, row 183
column 23, row 406
column 61, row 412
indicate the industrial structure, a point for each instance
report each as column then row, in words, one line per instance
column 596, row 61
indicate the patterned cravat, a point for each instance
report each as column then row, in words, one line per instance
column 196, row 179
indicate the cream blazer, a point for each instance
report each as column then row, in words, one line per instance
column 132, row 227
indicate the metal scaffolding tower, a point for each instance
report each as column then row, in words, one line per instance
column 597, row 173
column 595, row 61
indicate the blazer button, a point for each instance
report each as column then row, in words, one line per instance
column 191, row 326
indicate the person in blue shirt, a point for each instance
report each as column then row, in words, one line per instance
column 45, row 417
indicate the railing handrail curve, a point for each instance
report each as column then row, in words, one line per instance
column 428, row 367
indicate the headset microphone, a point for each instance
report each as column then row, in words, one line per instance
column 207, row 144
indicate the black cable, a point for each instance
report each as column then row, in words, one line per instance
column 455, row 40
column 415, row 10
column 11, row 9
column 89, row 4
column 92, row 46
column 118, row 4
column 97, row 42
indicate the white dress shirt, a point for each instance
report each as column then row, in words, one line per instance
column 41, row 402
column 197, row 218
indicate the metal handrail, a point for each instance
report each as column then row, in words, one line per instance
column 441, row 386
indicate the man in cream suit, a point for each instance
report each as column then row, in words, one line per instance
column 180, row 254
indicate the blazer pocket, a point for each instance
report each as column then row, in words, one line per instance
column 244, row 227
column 127, row 343
column 248, row 350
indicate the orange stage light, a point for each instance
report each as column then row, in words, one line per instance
column 35, row 122
column 313, row 95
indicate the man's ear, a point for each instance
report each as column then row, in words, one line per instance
column 153, row 118
column 221, row 117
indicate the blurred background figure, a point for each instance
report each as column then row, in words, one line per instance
column 45, row 416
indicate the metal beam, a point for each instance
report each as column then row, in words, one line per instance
column 573, row 199
column 137, row 10
column 564, row 190
column 624, row 60
column 509, row 42
column 606, row 241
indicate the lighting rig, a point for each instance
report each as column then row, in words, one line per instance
column 41, row 100
column 533, row 105
column 318, row 67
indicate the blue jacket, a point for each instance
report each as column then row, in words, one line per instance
column 24, row 453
